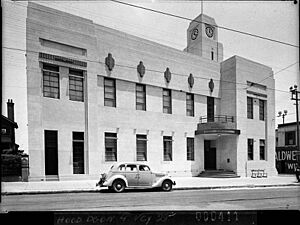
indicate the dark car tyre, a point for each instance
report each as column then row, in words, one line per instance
column 166, row 185
column 118, row 186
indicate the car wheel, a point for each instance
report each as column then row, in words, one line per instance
column 166, row 185
column 118, row 186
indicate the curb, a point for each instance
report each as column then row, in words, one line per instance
column 174, row 188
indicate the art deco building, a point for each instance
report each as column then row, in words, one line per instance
column 96, row 95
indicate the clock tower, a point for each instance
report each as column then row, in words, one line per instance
column 202, row 39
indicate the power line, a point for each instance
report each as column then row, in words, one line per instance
column 282, row 70
column 182, row 74
column 276, row 72
column 92, row 14
column 185, row 18
column 221, row 27
column 151, row 70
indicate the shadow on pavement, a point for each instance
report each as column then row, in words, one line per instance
column 132, row 190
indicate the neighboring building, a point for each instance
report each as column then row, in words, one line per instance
column 8, row 126
column 96, row 95
column 286, row 148
column 10, row 155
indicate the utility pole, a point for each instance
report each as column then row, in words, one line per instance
column 280, row 114
column 295, row 97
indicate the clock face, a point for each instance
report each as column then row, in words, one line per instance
column 209, row 31
column 194, row 33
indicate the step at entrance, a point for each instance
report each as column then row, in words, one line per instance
column 218, row 174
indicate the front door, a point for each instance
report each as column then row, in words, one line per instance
column 132, row 175
column 145, row 176
column 51, row 152
column 209, row 156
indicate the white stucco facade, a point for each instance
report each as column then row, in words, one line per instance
column 68, row 37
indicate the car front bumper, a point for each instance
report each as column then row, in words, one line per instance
column 101, row 182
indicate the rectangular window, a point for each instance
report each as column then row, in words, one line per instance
column 249, row 108
column 50, row 81
column 189, row 104
column 261, row 109
column 109, row 92
column 290, row 138
column 190, row 148
column 141, row 147
column 140, row 97
column 250, row 149
column 110, row 147
column 167, row 101
column 76, row 88
column 262, row 153
column 212, row 55
column 210, row 109
column 78, row 152
column 168, row 148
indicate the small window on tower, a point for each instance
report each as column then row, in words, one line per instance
column 212, row 55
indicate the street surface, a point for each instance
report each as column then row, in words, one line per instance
column 217, row 199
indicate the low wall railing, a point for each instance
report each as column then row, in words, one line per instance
column 216, row 119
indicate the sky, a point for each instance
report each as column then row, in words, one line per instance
column 276, row 20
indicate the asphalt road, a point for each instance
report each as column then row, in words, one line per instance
column 226, row 199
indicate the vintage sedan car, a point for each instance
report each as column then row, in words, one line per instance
column 134, row 175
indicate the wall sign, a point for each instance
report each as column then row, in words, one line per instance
column 168, row 75
column 191, row 80
column 141, row 69
column 286, row 159
column 109, row 62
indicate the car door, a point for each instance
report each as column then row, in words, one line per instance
column 145, row 176
column 131, row 174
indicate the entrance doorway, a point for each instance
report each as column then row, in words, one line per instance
column 209, row 156
column 51, row 159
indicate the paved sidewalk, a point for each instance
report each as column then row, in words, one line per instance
column 182, row 183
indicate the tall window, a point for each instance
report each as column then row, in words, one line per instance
column 190, row 148
column 250, row 149
column 109, row 92
column 167, row 101
column 290, row 138
column 76, row 85
column 50, row 81
column 210, row 109
column 261, row 109
column 110, row 147
column 78, row 152
column 212, row 55
column 140, row 97
column 189, row 104
column 262, row 153
column 249, row 108
column 167, row 148
column 141, row 147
